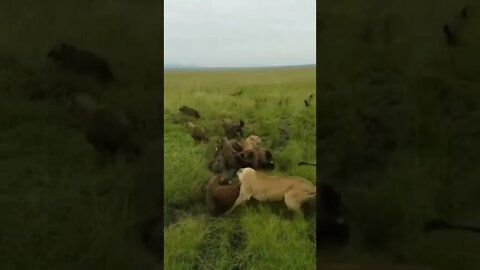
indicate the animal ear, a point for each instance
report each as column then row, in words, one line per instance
column 242, row 123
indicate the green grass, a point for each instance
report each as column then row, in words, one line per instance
column 58, row 211
column 252, row 237
column 399, row 133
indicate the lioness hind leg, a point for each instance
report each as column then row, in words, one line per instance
column 238, row 202
column 242, row 197
column 293, row 202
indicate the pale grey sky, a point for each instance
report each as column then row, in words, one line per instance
column 240, row 33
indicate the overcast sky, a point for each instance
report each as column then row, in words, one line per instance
column 240, row 33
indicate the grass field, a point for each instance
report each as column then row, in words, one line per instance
column 252, row 237
column 398, row 133
column 398, row 136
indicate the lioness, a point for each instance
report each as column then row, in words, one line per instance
column 292, row 189
column 251, row 142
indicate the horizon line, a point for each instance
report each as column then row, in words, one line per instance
column 186, row 67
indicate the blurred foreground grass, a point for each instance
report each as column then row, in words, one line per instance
column 398, row 133
column 58, row 212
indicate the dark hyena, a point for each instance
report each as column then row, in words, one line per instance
column 81, row 62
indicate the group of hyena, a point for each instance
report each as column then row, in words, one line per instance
column 233, row 151
column 108, row 130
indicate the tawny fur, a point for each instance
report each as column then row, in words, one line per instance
column 251, row 142
column 293, row 190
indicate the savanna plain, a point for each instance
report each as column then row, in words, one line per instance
column 255, row 236
column 398, row 136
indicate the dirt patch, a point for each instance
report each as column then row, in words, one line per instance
column 153, row 229
column 209, row 250
column 237, row 238
column 173, row 211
